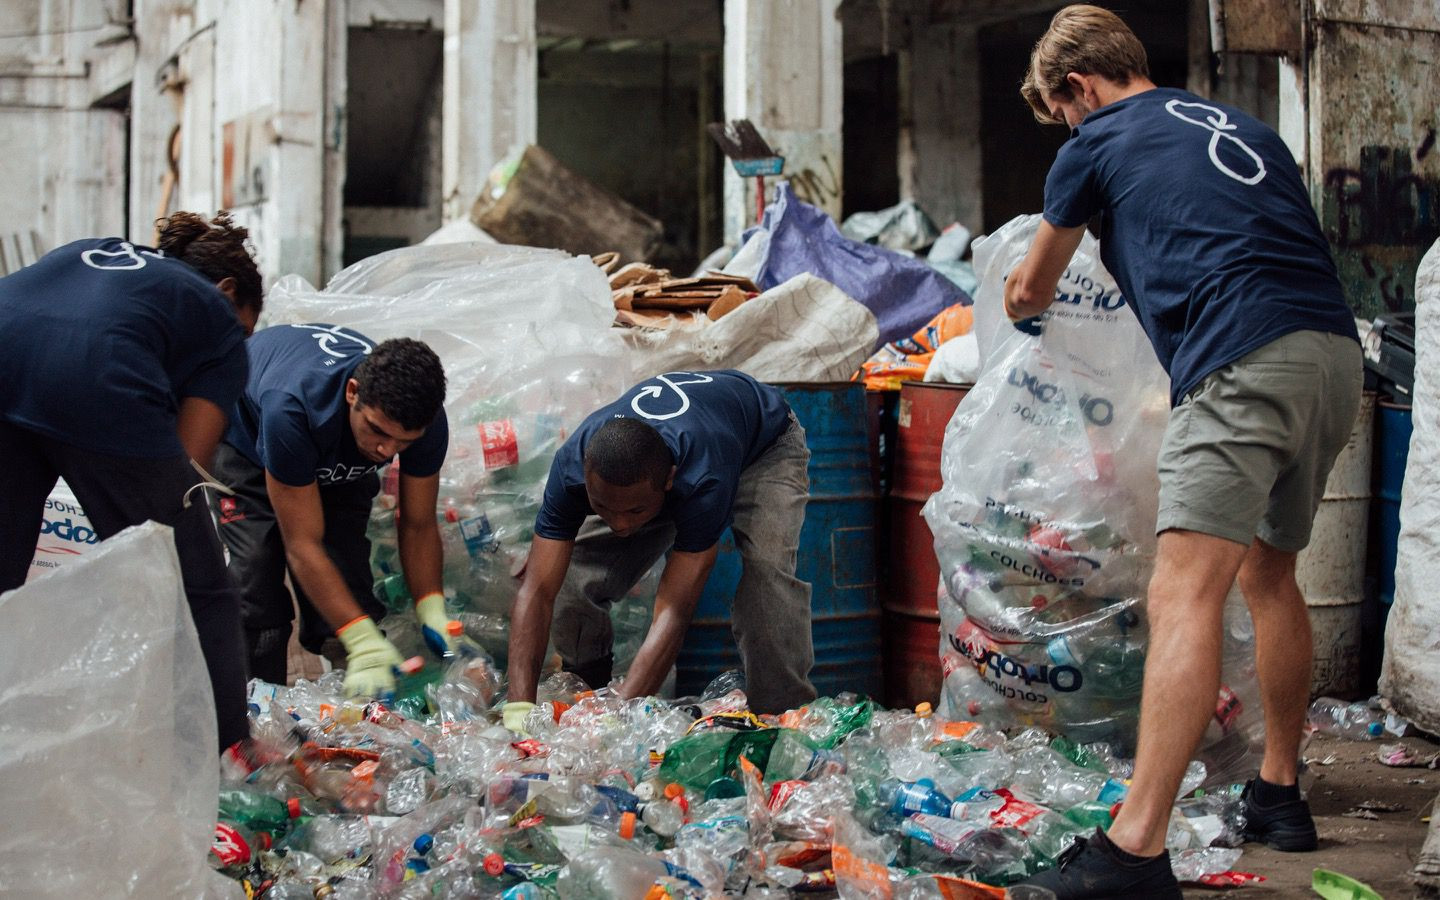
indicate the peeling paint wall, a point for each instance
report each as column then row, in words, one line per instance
column 64, row 154
column 1374, row 166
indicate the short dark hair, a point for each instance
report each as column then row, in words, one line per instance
column 217, row 249
column 403, row 378
column 627, row 451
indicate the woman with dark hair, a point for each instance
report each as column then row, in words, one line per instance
column 121, row 364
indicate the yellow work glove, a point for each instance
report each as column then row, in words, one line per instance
column 435, row 627
column 514, row 714
column 370, row 660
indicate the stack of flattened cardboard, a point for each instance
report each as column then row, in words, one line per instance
column 648, row 296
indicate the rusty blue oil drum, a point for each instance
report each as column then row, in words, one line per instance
column 837, row 556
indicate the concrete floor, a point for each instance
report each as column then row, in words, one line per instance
column 1379, row 853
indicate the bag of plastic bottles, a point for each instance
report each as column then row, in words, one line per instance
column 107, row 730
column 1045, row 525
column 525, row 338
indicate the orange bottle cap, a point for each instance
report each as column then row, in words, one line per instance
column 657, row 892
column 627, row 825
column 673, row 790
column 455, row 627
column 559, row 707
column 494, row 864
column 292, row 806
column 924, row 709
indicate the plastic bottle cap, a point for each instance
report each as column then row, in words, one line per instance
column 451, row 515
column 292, row 806
column 627, row 825
column 412, row 665
column 494, row 865
column 923, row 709
column 657, row 892
column 673, row 790
column 423, row 843
column 455, row 627
column 1115, row 810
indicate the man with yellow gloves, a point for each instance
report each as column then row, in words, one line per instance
column 324, row 409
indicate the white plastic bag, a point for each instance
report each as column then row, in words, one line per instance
column 1045, row 525
column 65, row 532
column 1410, row 677
column 108, row 771
column 806, row 330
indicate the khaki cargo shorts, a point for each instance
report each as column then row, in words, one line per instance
column 1247, row 451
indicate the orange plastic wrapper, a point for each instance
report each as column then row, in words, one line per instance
column 907, row 360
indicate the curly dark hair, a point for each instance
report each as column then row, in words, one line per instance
column 627, row 451
column 404, row 379
column 216, row 249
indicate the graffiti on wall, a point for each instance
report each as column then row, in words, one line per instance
column 1380, row 217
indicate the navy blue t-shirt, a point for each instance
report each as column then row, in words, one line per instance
column 1206, row 227
column 293, row 420
column 715, row 424
column 103, row 339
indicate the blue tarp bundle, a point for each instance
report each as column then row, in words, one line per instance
column 904, row 293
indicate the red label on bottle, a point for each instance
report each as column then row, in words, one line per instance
column 1015, row 813
column 781, row 793
column 1227, row 708
column 230, row 845
column 497, row 440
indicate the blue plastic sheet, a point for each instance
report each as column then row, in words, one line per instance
column 904, row 293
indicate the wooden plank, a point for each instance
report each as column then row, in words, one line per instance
column 547, row 204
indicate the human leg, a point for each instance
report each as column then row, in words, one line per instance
column 603, row 567
column 29, row 479
column 1282, row 654
column 771, row 621
column 247, row 527
column 1186, row 601
column 118, row 492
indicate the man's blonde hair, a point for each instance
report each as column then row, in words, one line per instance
column 1084, row 39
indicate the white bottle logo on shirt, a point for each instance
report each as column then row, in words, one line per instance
column 126, row 259
column 1219, row 126
column 671, row 380
column 328, row 337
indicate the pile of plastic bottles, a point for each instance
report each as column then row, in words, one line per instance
column 428, row 796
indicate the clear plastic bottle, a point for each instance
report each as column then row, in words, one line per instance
column 901, row 799
column 795, row 756
column 613, row 873
column 1355, row 721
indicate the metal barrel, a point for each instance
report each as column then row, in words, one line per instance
column 1393, row 428
column 1331, row 571
column 837, row 556
column 911, row 571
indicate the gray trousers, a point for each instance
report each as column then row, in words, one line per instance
column 771, row 621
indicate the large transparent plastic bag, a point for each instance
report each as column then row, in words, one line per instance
column 108, row 767
column 1045, row 525
column 525, row 338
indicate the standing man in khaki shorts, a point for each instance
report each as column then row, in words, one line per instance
column 1207, row 227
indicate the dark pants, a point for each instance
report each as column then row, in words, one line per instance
column 117, row 492
column 257, row 559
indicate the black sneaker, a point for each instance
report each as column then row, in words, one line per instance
column 1089, row 869
column 1287, row 826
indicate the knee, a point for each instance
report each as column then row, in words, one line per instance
column 1266, row 572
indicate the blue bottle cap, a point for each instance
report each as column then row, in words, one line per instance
column 423, row 843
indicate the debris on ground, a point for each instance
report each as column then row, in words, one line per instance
column 428, row 796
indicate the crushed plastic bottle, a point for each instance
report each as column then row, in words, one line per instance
column 1354, row 721
column 643, row 797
